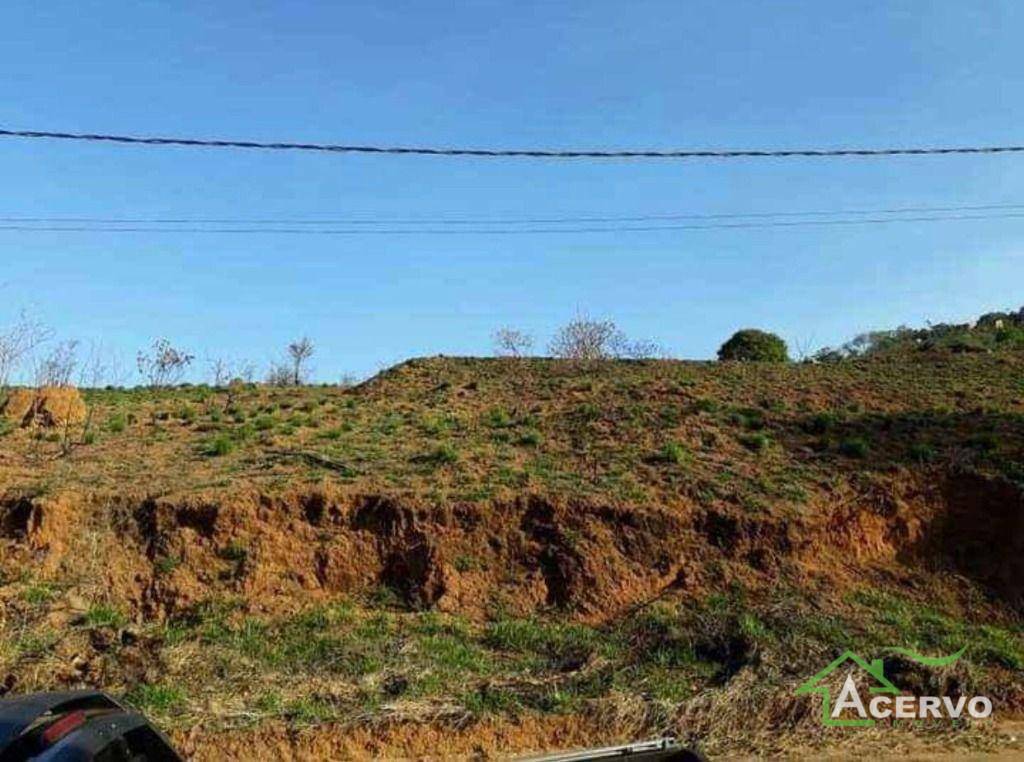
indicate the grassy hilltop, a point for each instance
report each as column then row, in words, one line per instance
column 510, row 554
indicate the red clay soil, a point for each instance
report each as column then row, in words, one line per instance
column 593, row 563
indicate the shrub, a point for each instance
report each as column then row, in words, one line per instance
column 218, row 446
column 754, row 442
column 673, row 452
column 703, row 405
column 752, row 345
column 854, row 448
column 922, row 452
column 264, row 423
column 529, row 438
column 443, row 454
column 820, row 423
column 103, row 615
column 166, row 564
column 498, row 418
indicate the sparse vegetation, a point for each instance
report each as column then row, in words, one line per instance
column 626, row 538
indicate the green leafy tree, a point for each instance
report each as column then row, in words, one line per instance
column 752, row 345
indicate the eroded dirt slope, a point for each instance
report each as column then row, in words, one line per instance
column 503, row 551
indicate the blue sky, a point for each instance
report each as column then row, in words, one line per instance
column 505, row 74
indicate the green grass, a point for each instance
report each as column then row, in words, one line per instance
column 910, row 623
column 166, row 564
column 530, row 438
column 675, row 453
column 264, row 423
column 39, row 593
column 443, row 454
column 158, row 699
column 218, row 446
column 104, row 615
column 497, row 418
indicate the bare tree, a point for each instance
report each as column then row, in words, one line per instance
column 102, row 366
column 165, row 365
column 637, row 349
column 16, row 342
column 246, row 372
column 802, row 348
column 105, row 366
column 300, row 351
column 511, row 342
column 98, row 366
column 57, row 367
column 221, row 371
column 585, row 339
column 280, row 374
column 225, row 373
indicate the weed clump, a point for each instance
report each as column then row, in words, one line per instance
column 674, row 453
column 218, row 446
column 855, row 447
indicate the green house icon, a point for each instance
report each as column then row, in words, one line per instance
column 814, row 685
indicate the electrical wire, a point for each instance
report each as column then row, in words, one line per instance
column 532, row 153
column 503, row 220
column 503, row 231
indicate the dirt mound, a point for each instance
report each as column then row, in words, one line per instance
column 60, row 406
column 19, row 406
column 50, row 407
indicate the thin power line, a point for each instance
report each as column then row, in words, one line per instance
column 543, row 153
column 504, row 220
column 500, row 231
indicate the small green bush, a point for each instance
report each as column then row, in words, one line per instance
column 498, row 418
column 854, row 448
column 530, row 438
column 218, row 446
column 443, row 454
column 752, row 345
column 103, row 615
column 673, row 452
column 820, row 423
column 704, row 405
column 754, row 442
column 922, row 452
column 264, row 423
column 166, row 564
